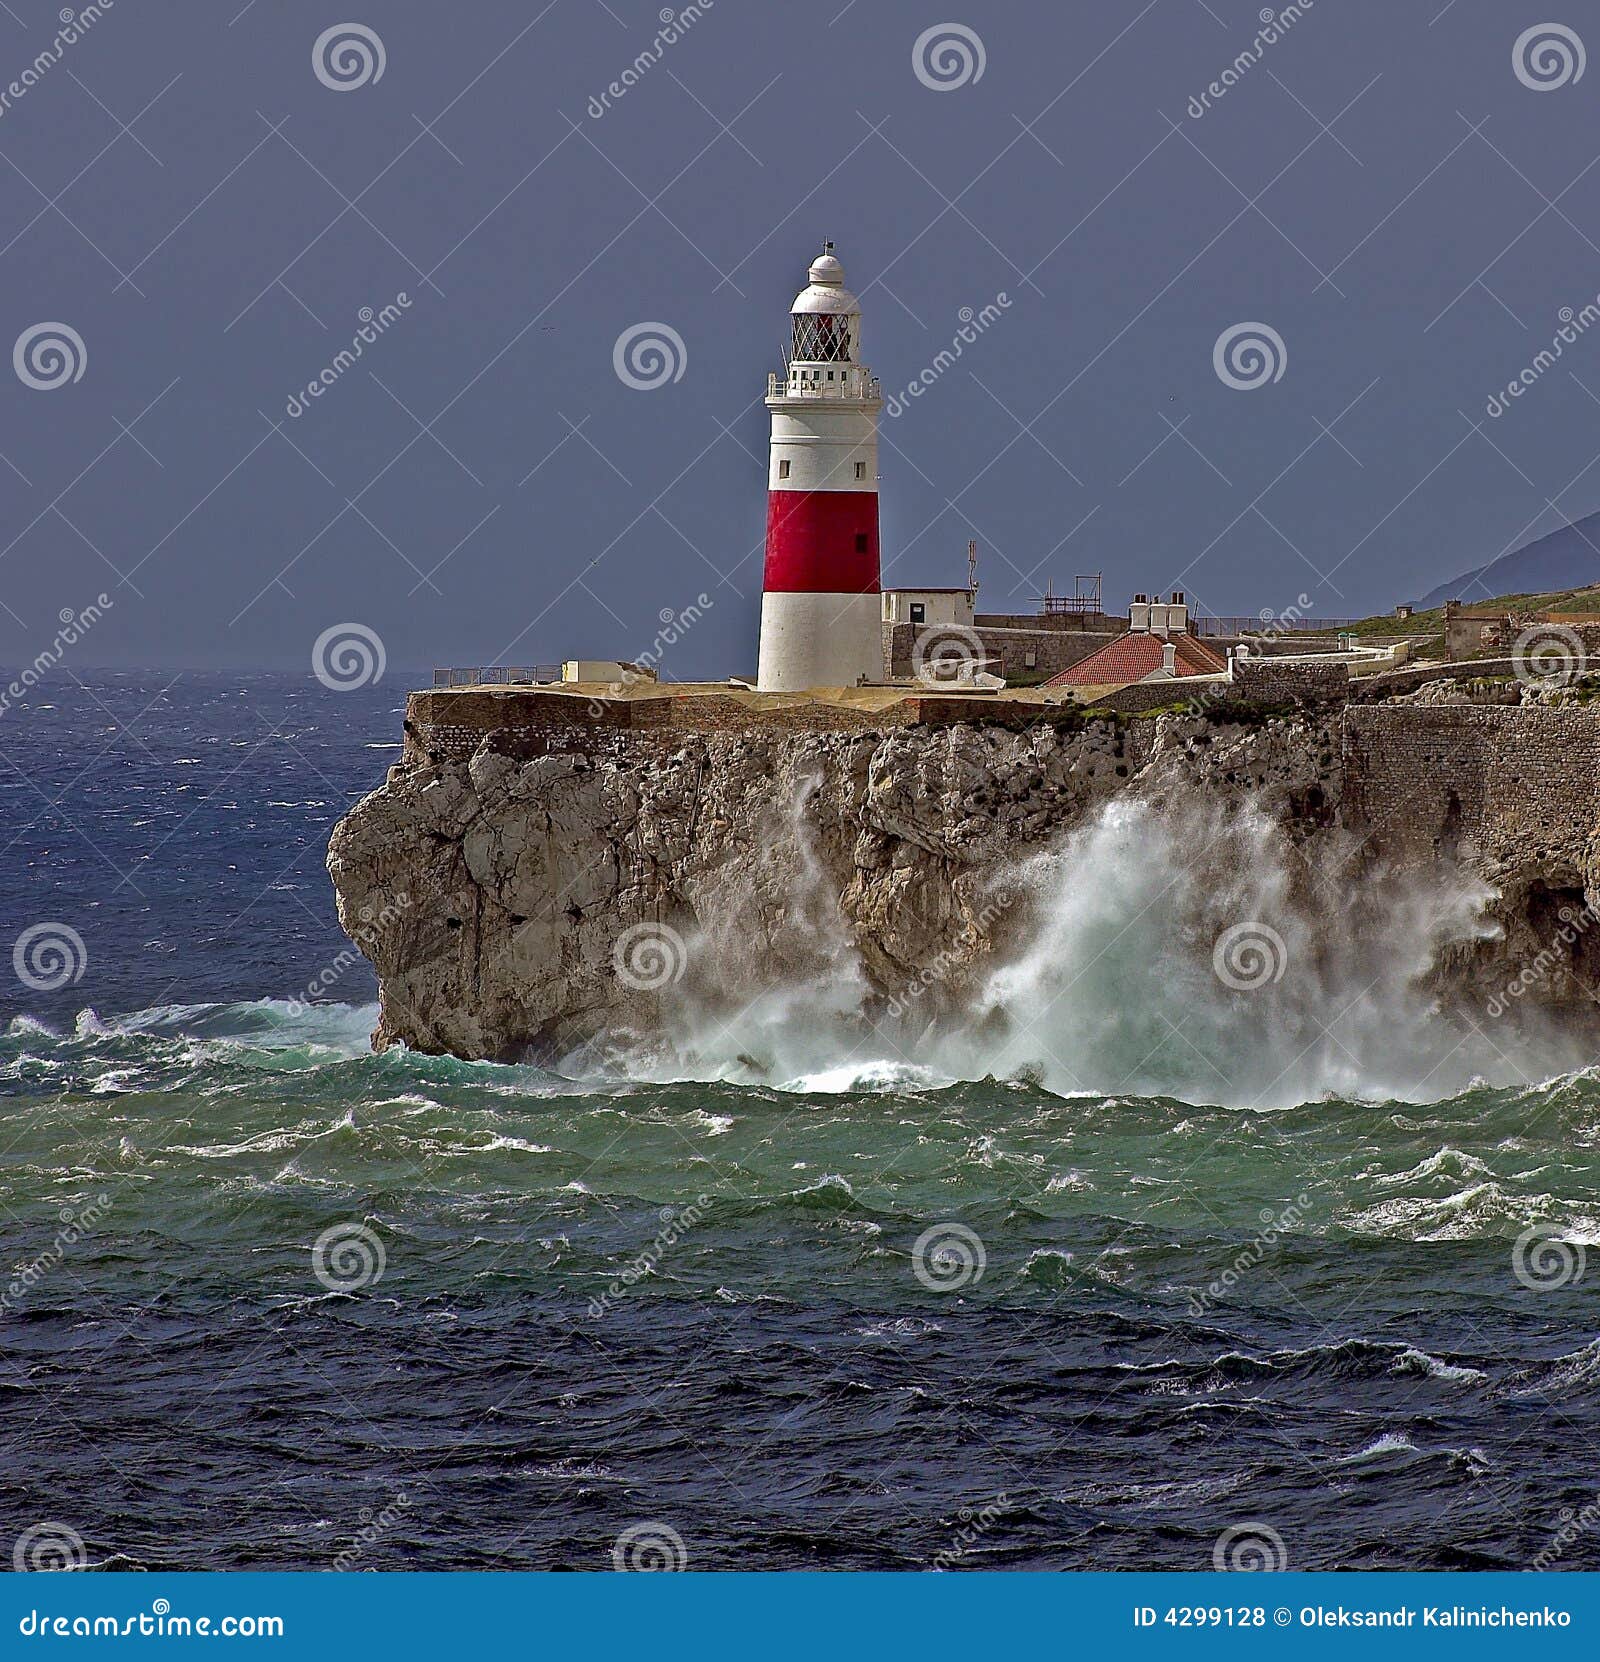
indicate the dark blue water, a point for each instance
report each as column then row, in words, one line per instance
column 549, row 1322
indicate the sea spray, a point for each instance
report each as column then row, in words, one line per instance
column 1177, row 948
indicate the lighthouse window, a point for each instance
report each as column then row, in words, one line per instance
column 919, row 612
column 783, row 470
column 823, row 339
column 861, row 470
column 861, row 542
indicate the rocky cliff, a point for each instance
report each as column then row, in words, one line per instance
column 527, row 905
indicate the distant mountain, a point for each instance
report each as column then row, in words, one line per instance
column 1566, row 559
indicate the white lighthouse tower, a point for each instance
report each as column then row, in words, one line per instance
column 820, row 609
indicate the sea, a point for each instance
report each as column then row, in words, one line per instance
column 270, row 1300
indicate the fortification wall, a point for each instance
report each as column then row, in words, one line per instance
column 1509, row 788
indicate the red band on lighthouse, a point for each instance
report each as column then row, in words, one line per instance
column 822, row 542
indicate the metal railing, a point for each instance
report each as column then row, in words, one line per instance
column 527, row 675
column 1272, row 624
column 858, row 386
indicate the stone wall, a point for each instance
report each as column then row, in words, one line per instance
column 1519, row 787
column 1285, row 681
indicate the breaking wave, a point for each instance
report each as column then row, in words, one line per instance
column 1193, row 951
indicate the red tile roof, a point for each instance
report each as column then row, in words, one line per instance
column 1133, row 657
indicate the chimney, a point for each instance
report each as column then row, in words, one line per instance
column 1169, row 659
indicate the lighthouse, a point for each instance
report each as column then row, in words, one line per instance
column 820, row 607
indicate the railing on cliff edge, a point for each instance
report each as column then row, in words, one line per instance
column 528, row 675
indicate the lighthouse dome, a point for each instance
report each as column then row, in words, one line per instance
column 827, row 270
column 826, row 295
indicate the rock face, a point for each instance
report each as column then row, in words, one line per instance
column 518, row 906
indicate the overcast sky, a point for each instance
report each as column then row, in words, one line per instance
column 1382, row 189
